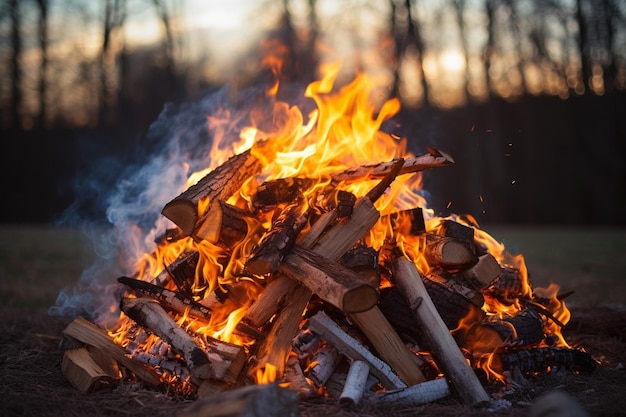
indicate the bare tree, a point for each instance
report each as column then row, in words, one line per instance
column 459, row 9
column 43, row 66
column 583, row 45
column 16, row 69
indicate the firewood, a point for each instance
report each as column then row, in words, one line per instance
column 422, row 393
column 355, row 384
column 272, row 193
column 331, row 281
column 222, row 361
column 328, row 330
column 541, row 359
column 508, row 287
column 523, row 329
column 433, row 159
column 408, row 222
column 90, row 334
column 324, row 362
column 175, row 367
column 224, row 224
column 182, row 271
column 336, row 200
column 297, row 381
column 456, row 230
column 443, row 345
column 380, row 188
column 80, row 369
column 486, row 270
column 274, row 245
column 451, row 283
column 267, row 400
column 170, row 300
column 448, row 253
column 271, row 300
column 306, row 344
column 219, row 184
column 363, row 260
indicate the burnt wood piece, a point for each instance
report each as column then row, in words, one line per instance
column 279, row 239
column 222, row 361
column 363, row 260
column 169, row 236
column 422, row 393
column 324, row 362
column 294, row 376
column 451, row 282
column 456, row 230
column 82, row 371
column 448, row 253
column 380, row 188
column 541, row 359
column 354, row 387
column 443, row 346
column 219, row 184
column 279, row 191
column 273, row 298
column 170, row 300
column 88, row 333
column 523, row 329
column 508, row 287
column 267, row 400
column 224, row 224
column 328, row 330
column 408, row 222
column 339, row 200
column 433, row 159
column 452, row 305
column 182, row 272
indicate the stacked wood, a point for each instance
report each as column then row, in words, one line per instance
column 448, row 253
column 541, row 359
column 182, row 272
column 225, row 224
column 84, row 373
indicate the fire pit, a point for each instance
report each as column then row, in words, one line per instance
column 304, row 263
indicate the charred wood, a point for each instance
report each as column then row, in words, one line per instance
column 224, row 224
column 448, row 253
column 541, row 359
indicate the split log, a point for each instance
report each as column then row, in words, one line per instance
column 456, row 230
column 185, row 210
column 336, row 200
column 270, row 194
column 363, row 260
column 223, row 361
column 443, row 345
column 224, row 224
column 182, row 271
column 274, row 245
column 408, row 222
column 481, row 275
column 267, row 400
column 82, row 371
column 90, row 334
column 433, row 159
column 170, row 300
column 448, row 253
column 355, row 384
column 508, row 287
column 328, row 330
column 422, row 393
column 272, row 299
column 332, row 282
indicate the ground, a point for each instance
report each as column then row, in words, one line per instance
column 36, row 262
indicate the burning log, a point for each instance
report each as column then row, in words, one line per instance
column 223, row 361
column 80, row 368
column 508, row 286
column 328, row 330
column 363, row 260
column 274, row 245
column 271, row 300
column 355, row 384
column 448, row 253
column 324, row 362
column 168, row 299
column 282, row 190
column 182, row 271
column 219, row 184
column 225, row 224
column 337, row 200
column 541, row 359
column 90, row 334
column 456, row 230
column 330, row 281
column 433, row 159
column 486, row 270
column 443, row 345
column 422, row 393
column 296, row 379
column 416, row 225
column 268, row 400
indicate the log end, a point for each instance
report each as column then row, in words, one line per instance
column 183, row 213
column 360, row 298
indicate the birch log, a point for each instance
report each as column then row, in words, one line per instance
column 443, row 345
column 355, row 384
column 421, row 393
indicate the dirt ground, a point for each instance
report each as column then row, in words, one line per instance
column 36, row 262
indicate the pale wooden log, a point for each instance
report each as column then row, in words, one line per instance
column 225, row 224
column 355, row 384
column 170, row 300
column 215, row 364
column 325, row 361
column 422, row 393
column 306, row 344
column 448, row 253
column 80, row 369
column 274, row 245
column 90, row 334
column 443, row 345
column 271, row 300
column 433, row 159
column 328, row 330
column 266, row 400
column 332, row 282
column 486, row 270
column 296, row 380
column 104, row 361
column 363, row 260
column 323, row 222
column 219, row 184
column 388, row 344
column 172, row 366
